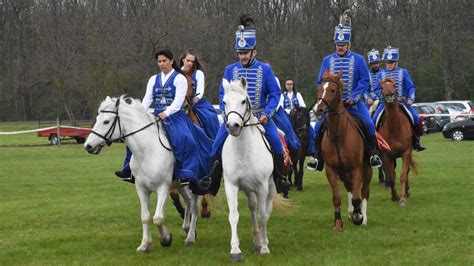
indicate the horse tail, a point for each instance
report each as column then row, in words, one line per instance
column 414, row 166
column 282, row 204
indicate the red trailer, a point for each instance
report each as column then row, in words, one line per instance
column 78, row 133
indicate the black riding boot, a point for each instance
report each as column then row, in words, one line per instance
column 212, row 182
column 318, row 163
column 374, row 158
column 279, row 174
column 126, row 175
column 416, row 140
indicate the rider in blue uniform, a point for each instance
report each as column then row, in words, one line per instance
column 405, row 90
column 374, row 68
column 264, row 94
column 356, row 81
column 190, row 145
column 205, row 112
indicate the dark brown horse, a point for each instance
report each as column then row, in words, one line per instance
column 343, row 151
column 395, row 128
column 205, row 213
column 300, row 122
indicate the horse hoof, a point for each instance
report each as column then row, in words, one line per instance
column 167, row 242
column 144, row 247
column 256, row 249
column 358, row 220
column 206, row 214
column 236, row 257
column 264, row 250
column 337, row 226
column 395, row 198
column 188, row 243
column 402, row 203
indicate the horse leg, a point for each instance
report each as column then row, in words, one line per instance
column 336, row 198
column 176, row 202
column 144, row 197
column 265, row 204
column 252, row 204
column 231, row 192
column 159, row 217
column 348, row 186
column 406, row 157
column 357, row 217
column 191, row 237
column 389, row 169
column 366, row 191
column 205, row 212
column 300, row 163
column 186, row 194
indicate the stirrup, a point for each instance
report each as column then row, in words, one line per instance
column 282, row 185
column 183, row 182
column 315, row 165
column 204, row 182
column 375, row 161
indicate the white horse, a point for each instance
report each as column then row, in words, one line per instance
column 247, row 165
column 152, row 162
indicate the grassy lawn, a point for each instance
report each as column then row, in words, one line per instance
column 64, row 206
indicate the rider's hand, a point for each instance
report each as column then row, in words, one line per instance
column 349, row 102
column 195, row 99
column 409, row 102
column 263, row 119
column 162, row 115
column 370, row 101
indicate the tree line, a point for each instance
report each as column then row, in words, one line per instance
column 60, row 58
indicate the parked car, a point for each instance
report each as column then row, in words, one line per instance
column 466, row 106
column 426, row 118
column 460, row 130
column 442, row 114
column 456, row 113
column 219, row 113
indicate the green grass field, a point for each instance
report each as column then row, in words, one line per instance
column 62, row 206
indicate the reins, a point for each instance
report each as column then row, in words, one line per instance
column 108, row 139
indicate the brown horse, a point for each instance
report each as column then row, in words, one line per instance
column 205, row 212
column 395, row 128
column 343, row 151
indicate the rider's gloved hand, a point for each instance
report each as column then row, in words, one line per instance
column 263, row 119
column 348, row 102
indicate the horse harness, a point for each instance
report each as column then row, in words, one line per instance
column 108, row 135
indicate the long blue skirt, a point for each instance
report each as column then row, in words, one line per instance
column 282, row 121
column 207, row 116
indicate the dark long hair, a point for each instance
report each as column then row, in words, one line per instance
column 294, row 86
column 196, row 65
column 168, row 54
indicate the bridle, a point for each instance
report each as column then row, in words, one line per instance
column 330, row 107
column 107, row 137
column 247, row 114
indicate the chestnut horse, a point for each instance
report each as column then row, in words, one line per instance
column 395, row 128
column 300, row 121
column 342, row 147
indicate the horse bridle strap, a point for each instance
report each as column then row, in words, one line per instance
column 242, row 117
column 329, row 105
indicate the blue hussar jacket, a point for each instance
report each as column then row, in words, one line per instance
column 355, row 73
column 263, row 90
column 164, row 94
column 372, row 92
column 403, row 82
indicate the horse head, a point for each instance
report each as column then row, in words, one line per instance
column 329, row 94
column 300, row 118
column 389, row 92
column 236, row 106
column 107, row 127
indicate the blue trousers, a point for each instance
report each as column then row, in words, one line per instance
column 207, row 116
column 282, row 121
column 271, row 133
column 412, row 111
column 358, row 110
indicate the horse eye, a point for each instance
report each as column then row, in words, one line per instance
column 333, row 90
column 223, row 102
column 106, row 122
column 243, row 101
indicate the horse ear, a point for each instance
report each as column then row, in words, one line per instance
column 326, row 74
column 225, row 85
column 244, row 82
column 339, row 75
column 108, row 98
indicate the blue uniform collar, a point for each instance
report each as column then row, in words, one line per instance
column 252, row 63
